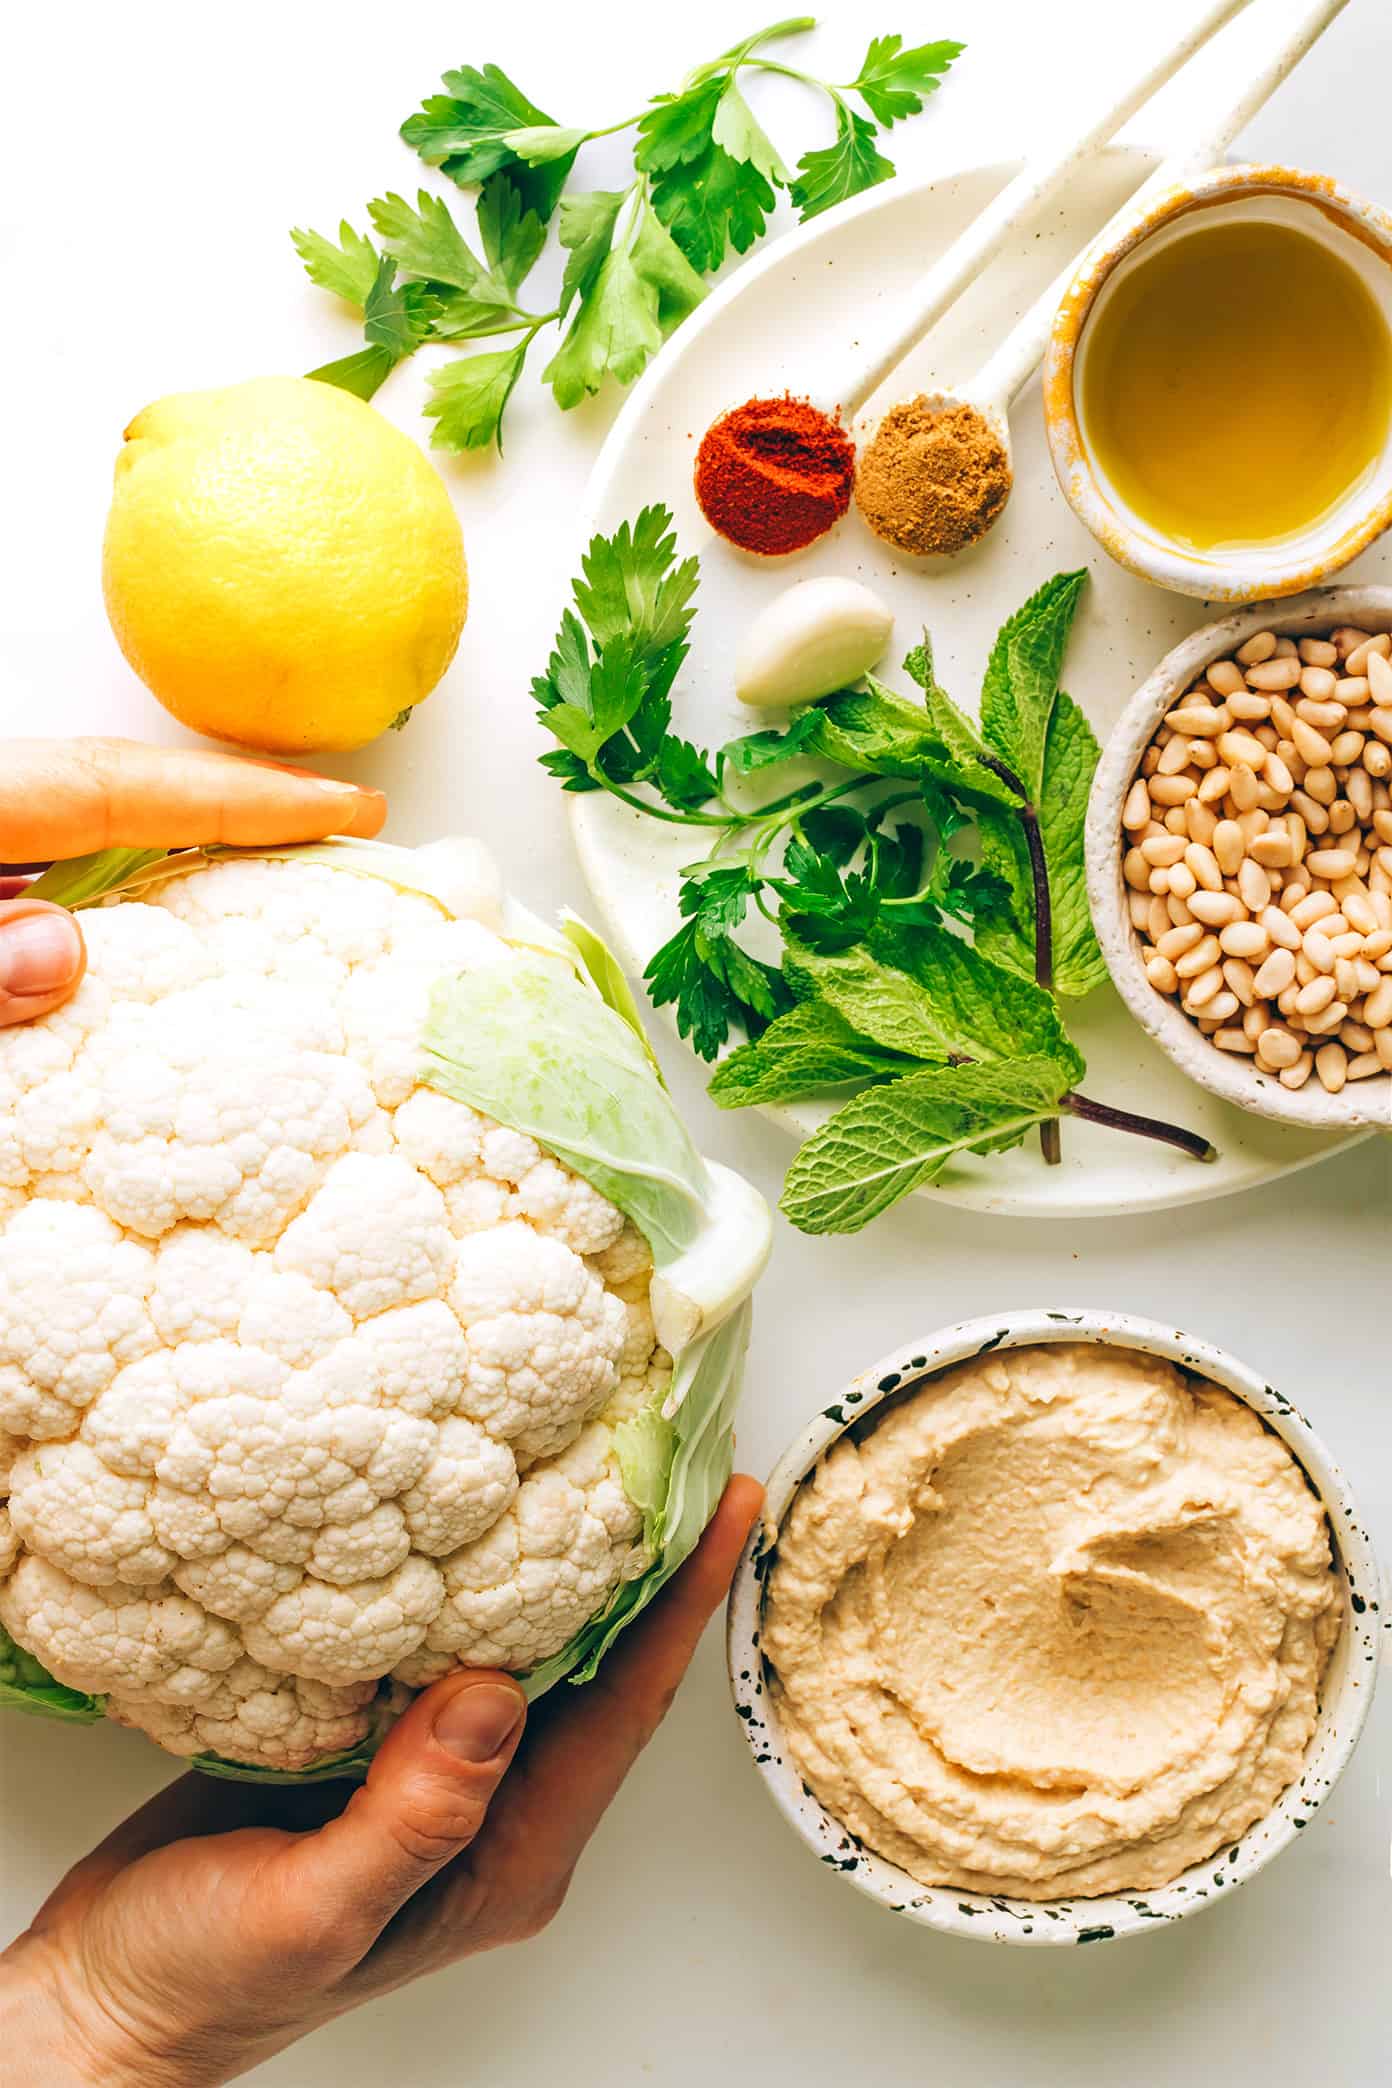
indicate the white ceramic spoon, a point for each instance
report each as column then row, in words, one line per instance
column 851, row 383
column 993, row 389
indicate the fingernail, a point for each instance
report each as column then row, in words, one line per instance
column 336, row 788
column 39, row 953
column 476, row 1722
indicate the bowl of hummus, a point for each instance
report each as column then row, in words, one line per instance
column 1058, row 1626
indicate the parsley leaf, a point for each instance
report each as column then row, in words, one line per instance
column 362, row 374
column 629, row 302
column 512, row 236
column 465, row 133
column 737, row 131
column 895, row 1138
column 893, row 82
column 467, row 398
column 707, row 198
column 838, row 171
column 348, row 269
column 397, row 316
column 587, row 224
column 714, row 984
column 632, row 582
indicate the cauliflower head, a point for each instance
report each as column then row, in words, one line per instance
column 316, row 1381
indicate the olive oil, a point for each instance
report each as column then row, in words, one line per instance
column 1236, row 384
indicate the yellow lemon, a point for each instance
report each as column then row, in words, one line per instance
column 282, row 568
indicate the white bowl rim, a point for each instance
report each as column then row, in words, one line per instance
column 1321, row 550
column 995, row 1917
column 1236, row 1079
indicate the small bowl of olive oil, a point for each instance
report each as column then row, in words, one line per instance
column 1218, row 386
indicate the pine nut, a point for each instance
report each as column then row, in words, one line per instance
column 1275, row 975
column 1135, row 813
column 1236, row 746
column 1226, row 677
column 1382, row 1045
column 1280, row 780
column 1296, row 1076
column 1317, row 652
column 1379, row 672
column 1346, row 984
column 1324, row 717
column 1330, row 1019
column 1214, row 909
column 1173, row 758
column 1365, row 1063
column 1317, row 683
column 1331, row 1064
column 1228, row 845
column 1315, row 997
column 1377, row 1008
column 1276, row 1047
column 1172, row 790
column 1213, row 786
column 1258, row 648
column 1314, row 815
column 1204, row 865
column 1160, row 850
column 1199, row 721
column 1250, row 706
column 1280, row 927
column 1355, row 1036
column 1238, row 977
column 1317, row 950
column 1271, row 674
column 1244, row 939
column 1176, row 941
column 1198, row 958
column 1273, row 850
column 1234, row 1040
column 1312, row 909
column 1199, row 822
column 1221, row 1008
column 1161, row 974
column 1353, row 688
column 1182, row 881
column 1359, row 655
column 1379, row 720
column 1312, row 747
column 1242, row 784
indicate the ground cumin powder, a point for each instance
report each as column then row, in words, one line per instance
column 934, row 478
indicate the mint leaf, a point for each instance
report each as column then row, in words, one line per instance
column 929, row 994
column 894, row 1139
column 844, row 169
column 872, row 731
column 893, row 82
column 349, row 269
column 467, row 398
column 1017, row 696
column 804, row 1052
column 962, row 755
column 1005, row 929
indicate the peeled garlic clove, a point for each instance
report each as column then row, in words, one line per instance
column 812, row 639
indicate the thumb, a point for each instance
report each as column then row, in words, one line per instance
column 425, row 1799
column 41, row 959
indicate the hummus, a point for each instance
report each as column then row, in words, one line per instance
column 1055, row 1625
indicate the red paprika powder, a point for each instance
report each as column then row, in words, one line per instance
column 774, row 474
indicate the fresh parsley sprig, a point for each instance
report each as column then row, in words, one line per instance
column 706, row 176
column 922, row 884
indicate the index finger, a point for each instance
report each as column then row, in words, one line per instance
column 71, row 797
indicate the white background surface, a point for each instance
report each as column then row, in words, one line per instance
column 154, row 157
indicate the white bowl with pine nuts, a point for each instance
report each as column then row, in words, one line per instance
column 1239, row 848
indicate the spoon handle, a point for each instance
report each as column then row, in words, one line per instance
column 1014, row 362
column 1039, row 179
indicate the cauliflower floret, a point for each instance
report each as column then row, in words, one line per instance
column 463, row 1490
column 626, row 1260
column 521, row 1593
column 9, row 1541
column 93, row 1522
column 155, row 1644
column 201, row 1282
column 375, row 1235
column 274, row 1721
column 340, row 1635
column 568, row 1207
column 72, row 1310
column 384, row 1006
column 287, row 1317
column 544, row 1337
column 237, row 1583
column 142, row 953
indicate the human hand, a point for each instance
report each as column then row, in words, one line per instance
column 70, row 797
column 222, row 1922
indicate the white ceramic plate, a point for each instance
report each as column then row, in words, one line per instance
column 774, row 327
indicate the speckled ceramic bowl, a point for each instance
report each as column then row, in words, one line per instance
column 1348, row 1685
column 1224, row 1073
column 1312, row 203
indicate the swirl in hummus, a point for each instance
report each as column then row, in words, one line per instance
column 1056, row 1624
